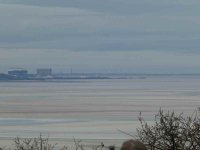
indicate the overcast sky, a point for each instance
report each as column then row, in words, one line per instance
column 132, row 36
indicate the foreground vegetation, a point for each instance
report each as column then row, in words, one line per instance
column 170, row 131
column 42, row 143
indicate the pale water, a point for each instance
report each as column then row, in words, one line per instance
column 91, row 109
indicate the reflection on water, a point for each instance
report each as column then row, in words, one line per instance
column 91, row 108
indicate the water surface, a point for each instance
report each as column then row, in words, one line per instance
column 91, row 108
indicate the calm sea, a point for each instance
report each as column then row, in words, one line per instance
column 91, row 109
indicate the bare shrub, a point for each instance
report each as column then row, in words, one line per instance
column 39, row 143
column 171, row 131
column 42, row 143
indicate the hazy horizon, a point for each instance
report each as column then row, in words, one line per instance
column 107, row 36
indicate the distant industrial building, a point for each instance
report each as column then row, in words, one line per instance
column 44, row 72
column 21, row 73
column 6, row 77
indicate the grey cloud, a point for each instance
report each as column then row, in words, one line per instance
column 114, row 6
column 63, row 28
column 55, row 27
column 113, row 43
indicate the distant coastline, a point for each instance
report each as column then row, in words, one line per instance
column 79, row 76
column 56, row 78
